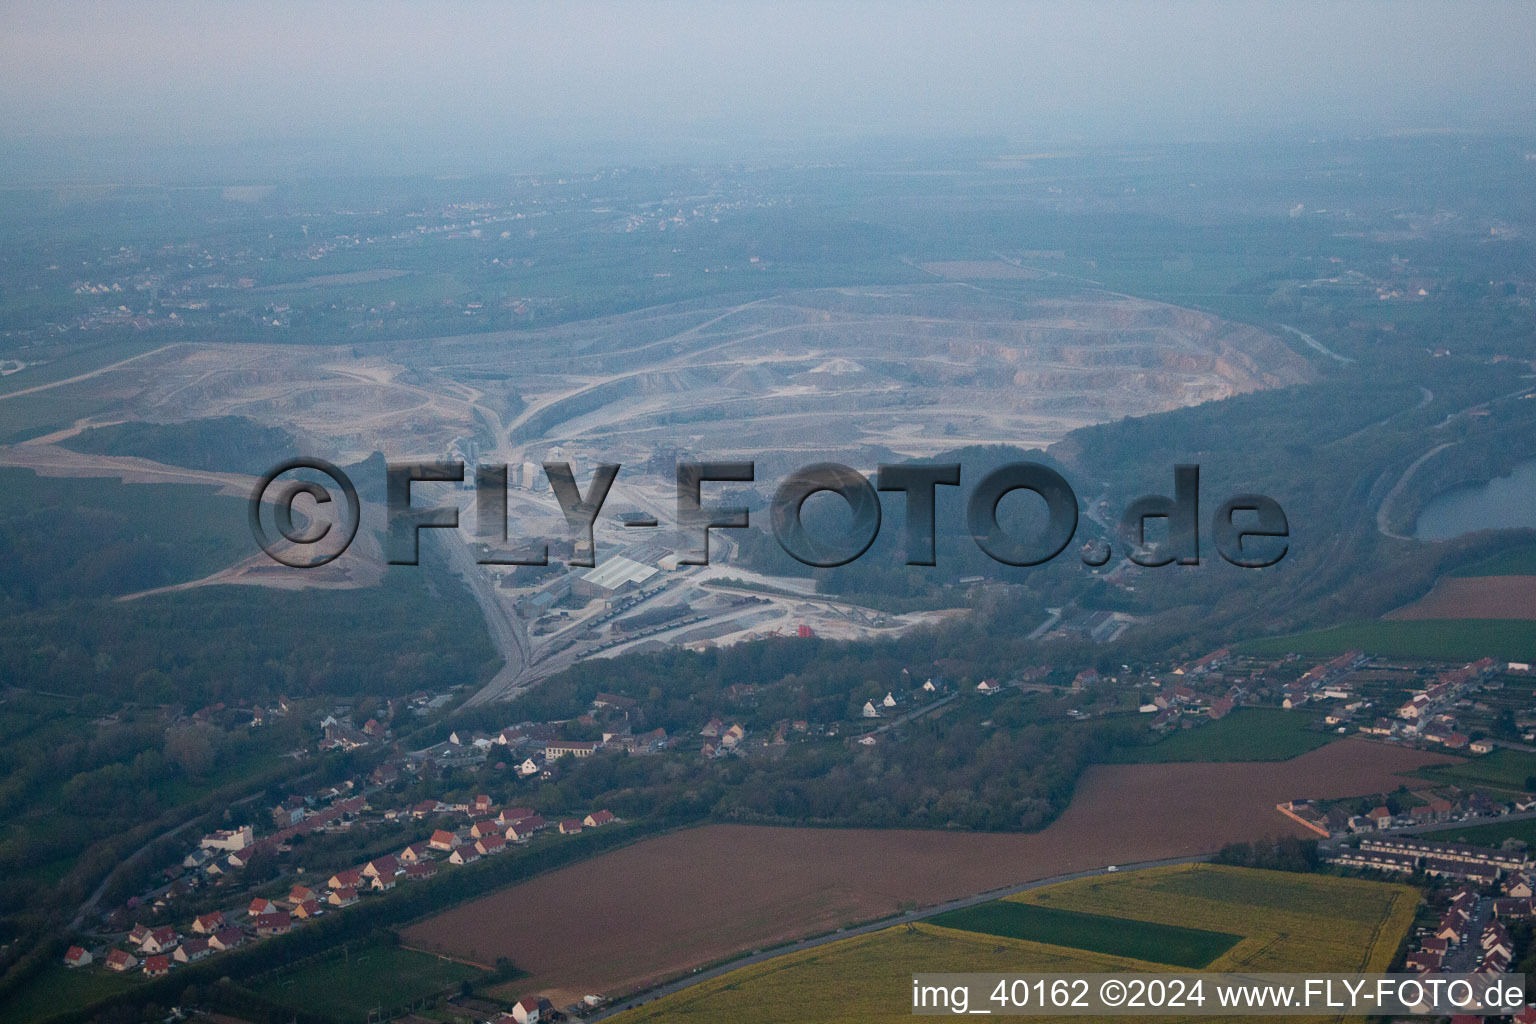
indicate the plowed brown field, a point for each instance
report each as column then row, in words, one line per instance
column 1474, row 597
column 658, row 908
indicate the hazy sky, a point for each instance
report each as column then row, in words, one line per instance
column 476, row 78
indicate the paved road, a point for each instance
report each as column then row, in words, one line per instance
column 864, row 929
column 500, row 621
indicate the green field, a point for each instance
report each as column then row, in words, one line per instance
column 1116, row 936
column 1519, row 561
column 1248, row 734
column 58, row 989
column 1491, row 834
column 1282, row 922
column 1502, row 769
column 1505, row 639
column 377, row 977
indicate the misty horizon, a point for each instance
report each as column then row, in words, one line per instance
column 182, row 90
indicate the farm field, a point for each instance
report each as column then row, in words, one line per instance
column 1096, row 933
column 1502, row 769
column 1518, row 561
column 1473, row 597
column 1248, row 734
column 1510, row 639
column 58, row 989
column 786, row 883
column 386, row 977
column 1287, row 922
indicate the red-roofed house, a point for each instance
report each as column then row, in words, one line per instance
column 157, row 966
column 522, row 831
column 384, row 866
column 227, row 938
column 348, row 879
column 260, row 905
column 463, row 855
column 117, row 960
column 443, row 840
column 208, row 923
column 191, row 951
column 420, row 872
column 77, row 957
column 277, row 923
column 161, row 940
column 342, row 896
column 490, row 845
column 414, row 854
column 570, row 826
column 597, row 818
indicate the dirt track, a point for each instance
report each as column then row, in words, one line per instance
column 638, row 915
column 1474, row 597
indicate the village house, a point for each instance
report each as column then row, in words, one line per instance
column 118, row 960
column 414, row 854
column 240, row 858
column 1507, row 907
column 420, row 872
column 570, row 826
column 597, row 818
column 276, row 923
column 191, row 951
column 522, row 831
column 531, row 1009
column 260, row 905
column 382, row 867
column 490, row 844
column 307, row 910
column 463, row 855
column 157, row 966
column 343, row 896
column 351, row 878
column 443, row 840
column 227, row 938
column 207, row 924
column 77, row 957
column 161, row 940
